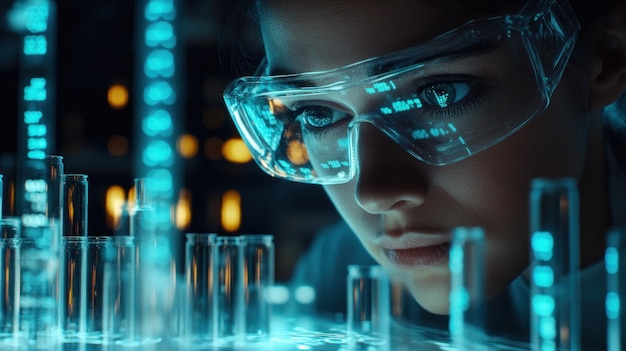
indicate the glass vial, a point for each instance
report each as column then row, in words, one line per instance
column 368, row 312
column 467, row 268
column 615, row 263
column 54, row 179
column 200, row 271
column 9, row 277
column 75, row 193
column 258, row 277
column 555, row 283
column 230, row 293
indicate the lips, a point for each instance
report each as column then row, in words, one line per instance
column 418, row 256
column 414, row 250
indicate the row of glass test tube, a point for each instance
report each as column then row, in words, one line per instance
column 222, row 300
column 107, row 292
column 555, row 305
column 119, row 289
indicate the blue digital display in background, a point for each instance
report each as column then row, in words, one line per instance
column 156, row 161
column 37, row 76
column 34, row 21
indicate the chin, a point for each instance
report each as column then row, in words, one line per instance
column 433, row 295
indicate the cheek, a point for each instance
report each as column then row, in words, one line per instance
column 496, row 190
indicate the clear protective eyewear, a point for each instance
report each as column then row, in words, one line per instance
column 442, row 101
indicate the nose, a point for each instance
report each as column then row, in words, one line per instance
column 387, row 177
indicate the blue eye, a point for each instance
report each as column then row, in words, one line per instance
column 319, row 117
column 444, row 94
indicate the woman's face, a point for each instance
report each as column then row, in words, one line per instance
column 404, row 210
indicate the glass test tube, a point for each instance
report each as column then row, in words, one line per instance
column 142, row 223
column 554, row 287
column 467, row 268
column 75, row 193
column 368, row 315
column 9, row 276
column 200, row 269
column 615, row 262
column 97, row 248
column 119, row 291
column 54, row 178
column 73, row 250
column 258, row 280
column 230, row 293
column 1, row 191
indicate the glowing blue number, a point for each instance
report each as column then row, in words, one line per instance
column 35, row 45
column 160, row 9
column 36, row 91
column 159, row 63
column 37, row 17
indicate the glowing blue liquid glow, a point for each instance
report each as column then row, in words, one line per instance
column 542, row 244
column 543, row 276
column 467, row 269
column 616, row 288
column 555, row 290
column 611, row 260
column 613, row 305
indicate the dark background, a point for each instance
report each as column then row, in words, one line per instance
column 96, row 48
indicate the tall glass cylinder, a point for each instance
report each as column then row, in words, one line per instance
column 258, row 277
column 72, row 283
column 368, row 314
column 119, row 291
column 9, row 277
column 54, row 178
column 230, row 293
column 97, row 249
column 76, row 195
column 142, row 215
column 74, row 200
column 615, row 263
column 1, row 191
column 201, row 279
column 467, row 268
column 555, row 281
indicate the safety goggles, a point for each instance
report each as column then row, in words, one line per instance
column 442, row 101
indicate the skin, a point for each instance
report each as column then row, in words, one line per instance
column 489, row 189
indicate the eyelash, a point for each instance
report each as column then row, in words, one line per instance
column 457, row 109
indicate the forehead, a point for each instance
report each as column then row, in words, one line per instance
column 304, row 35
